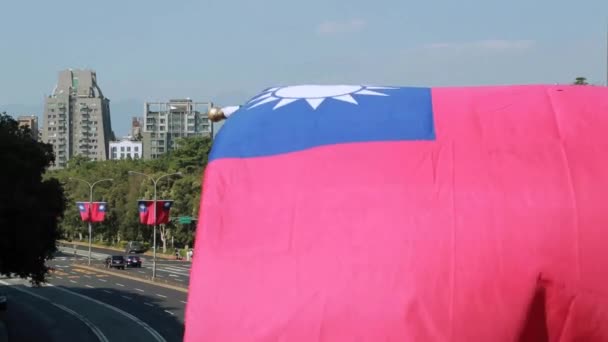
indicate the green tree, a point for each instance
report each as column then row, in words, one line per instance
column 580, row 81
column 30, row 206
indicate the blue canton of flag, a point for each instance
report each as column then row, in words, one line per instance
column 296, row 118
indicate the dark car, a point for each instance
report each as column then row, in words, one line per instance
column 133, row 261
column 117, row 261
column 134, row 247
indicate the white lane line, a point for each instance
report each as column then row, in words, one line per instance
column 102, row 280
column 87, row 276
column 100, row 336
column 140, row 290
column 161, row 296
column 71, row 281
column 173, row 275
column 158, row 337
column 125, row 297
column 170, row 313
column 179, row 280
column 89, row 286
column 181, row 301
column 106, row 291
column 57, row 277
column 148, row 304
column 121, row 285
column 142, row 272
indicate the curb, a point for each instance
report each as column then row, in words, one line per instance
column 84, row 244
column 140, row 279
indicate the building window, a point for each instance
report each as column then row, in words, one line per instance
column 122, row 148
column 128, row 148
column 136, row 155
column 113, row 149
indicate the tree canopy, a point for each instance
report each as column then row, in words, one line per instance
column 122, row 217
column 30, row 206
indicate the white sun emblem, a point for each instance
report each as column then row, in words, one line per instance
column 315, row 94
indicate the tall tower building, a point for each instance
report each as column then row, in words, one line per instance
column 77, row 118
column 165, row 122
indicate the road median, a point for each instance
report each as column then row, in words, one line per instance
column 140, row 278
column 112, row 248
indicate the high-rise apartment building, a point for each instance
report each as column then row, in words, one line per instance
column 136, row 123
column 77, row 118
column 165, row 122
column 30, row 121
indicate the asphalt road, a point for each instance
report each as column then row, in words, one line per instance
column 173, row 270
column 83, row 305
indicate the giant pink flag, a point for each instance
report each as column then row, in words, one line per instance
column 359, row 213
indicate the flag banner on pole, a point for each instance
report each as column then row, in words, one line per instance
column 98, row 211
column 369, row 213
column 83, row 208
column 146, row 211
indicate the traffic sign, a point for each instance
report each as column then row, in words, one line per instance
column 185, row 219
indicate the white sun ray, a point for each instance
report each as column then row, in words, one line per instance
column 266, row 100
column 284, row 102
column 346, row 98
column 263, row 96
column 369, row 92
column 315, row 103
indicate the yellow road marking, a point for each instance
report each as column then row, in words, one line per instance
column 83, row 271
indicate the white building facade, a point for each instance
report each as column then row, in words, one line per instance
column 126, row 148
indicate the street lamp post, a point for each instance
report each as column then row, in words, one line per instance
column 155, row 181
column 91, row 185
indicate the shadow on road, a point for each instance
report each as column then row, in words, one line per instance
column 34, row 314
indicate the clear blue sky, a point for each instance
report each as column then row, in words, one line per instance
column 226, row 51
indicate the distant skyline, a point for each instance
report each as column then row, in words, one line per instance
column 227, row 51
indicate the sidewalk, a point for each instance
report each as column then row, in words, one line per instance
column 159, row 255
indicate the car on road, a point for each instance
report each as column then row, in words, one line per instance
column 117, row 261
column 133, row 261
column 135, row 247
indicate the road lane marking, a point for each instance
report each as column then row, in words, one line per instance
column 170, row 313
column 142, row 272
column 87, row 276
column 56, row 277
column 158, row 337
column 125, row 297
column 161, row 295
column 179, row 280
column 173, row 275
column 75, row 282
column 106, row 291
column 103, row 280
column 100, row 336
column 182, row 302
column 89, row 286
column 148, row 304
column 121, row 285
column 140, row 290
